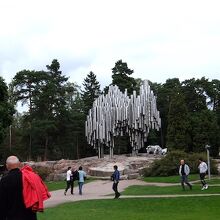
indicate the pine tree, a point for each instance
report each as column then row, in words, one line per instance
column 178, row 123
column 91, row 91
column 121, row 77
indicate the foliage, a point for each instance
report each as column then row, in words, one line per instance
column 6, row 110
column 91, row 91
column 121, row 77
column 43, row 172
column 169, row 165
column 178, row 123
column 53, row 126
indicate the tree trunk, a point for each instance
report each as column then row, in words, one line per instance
column 46, row 148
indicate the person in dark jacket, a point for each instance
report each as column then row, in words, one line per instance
column 115, row 179
column 11, row 196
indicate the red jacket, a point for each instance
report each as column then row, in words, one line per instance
column 34, row 190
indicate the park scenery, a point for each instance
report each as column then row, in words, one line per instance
column 144, row 128
column 109, row 110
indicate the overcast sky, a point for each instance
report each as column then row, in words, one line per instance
column 159, row 39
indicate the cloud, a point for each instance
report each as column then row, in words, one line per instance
column 158, row 39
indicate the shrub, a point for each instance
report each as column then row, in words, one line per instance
column 169, row 165
column 43, row 172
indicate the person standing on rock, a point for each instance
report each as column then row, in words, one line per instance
column 202, row 173
column 82, row 176
column 184, row 173
column 69, row 181
column 115, row 179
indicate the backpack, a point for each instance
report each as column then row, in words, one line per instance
column 75, row 175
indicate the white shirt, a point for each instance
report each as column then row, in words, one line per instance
column 203, row 167
column 68, row 175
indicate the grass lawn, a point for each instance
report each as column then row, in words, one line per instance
column 52, row 185
column 174, row 179
column 203, row 208
column 168, row 190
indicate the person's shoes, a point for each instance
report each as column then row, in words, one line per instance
column 203, row 188
column 65, row 193
column 118, row 195
column 206, row 186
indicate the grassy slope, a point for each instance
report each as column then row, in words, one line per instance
column 168, row 190
column 204, row 208
column 173, row 179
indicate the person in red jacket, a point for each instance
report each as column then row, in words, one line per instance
column 11, row 194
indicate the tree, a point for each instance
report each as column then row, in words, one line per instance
column 204, row 130
column 195, row 94
column 164, row 93
column 178, row 123
column 6, row 110
column 91, row 91
column 121, row 77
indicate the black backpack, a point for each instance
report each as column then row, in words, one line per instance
column 75, row 175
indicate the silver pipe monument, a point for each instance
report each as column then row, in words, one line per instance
column 116, row 114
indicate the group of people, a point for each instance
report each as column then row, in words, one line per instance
column 73, row 175
column 79, row 175
column 184, row 172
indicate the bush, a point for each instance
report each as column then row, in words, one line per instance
column 43, row 172
column 169, row 165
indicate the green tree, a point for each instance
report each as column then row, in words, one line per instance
column 195, row 94
column 204, row 130
column 6, row 110
column 164, row 93
column 178, row 123
column 121, row 77
column 91, row 91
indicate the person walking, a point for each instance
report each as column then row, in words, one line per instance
column 82, row 176
column 74, row 177
column 115, row 179
column 202, row 173
column 184, row 171
column 11, row 194
column 69, row 182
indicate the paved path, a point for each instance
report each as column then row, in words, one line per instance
column 103, row 189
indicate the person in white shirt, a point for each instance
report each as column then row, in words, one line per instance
column 69, row 182
column 202, row 173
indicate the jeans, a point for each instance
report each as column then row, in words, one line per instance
column 115, row 188
column 184, row 179
column 202, row 178
column 80, row 187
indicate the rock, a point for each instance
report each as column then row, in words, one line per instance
column 102, row 168
column 133, row 176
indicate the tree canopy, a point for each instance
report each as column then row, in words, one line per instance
column 53, row 127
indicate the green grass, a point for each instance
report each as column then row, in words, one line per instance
column 203, row 208
column 52, row 185
column 171, row 179
column 56, row 185
column 169, row 190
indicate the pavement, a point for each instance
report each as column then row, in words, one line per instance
column 103, row 190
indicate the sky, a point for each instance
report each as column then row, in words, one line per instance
column 159, row 39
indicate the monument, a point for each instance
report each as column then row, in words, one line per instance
column 116, row 114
